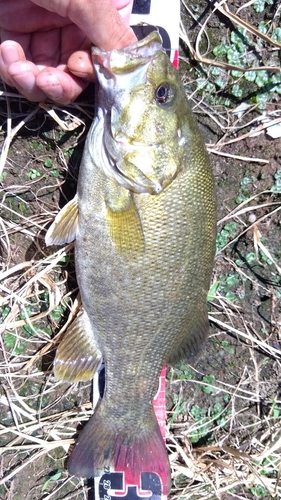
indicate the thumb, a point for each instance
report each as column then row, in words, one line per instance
column 99, row 20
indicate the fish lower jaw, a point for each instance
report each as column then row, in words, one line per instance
column 126, row 144
column 143, row 185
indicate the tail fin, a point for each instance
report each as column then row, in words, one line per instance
column 110, row 444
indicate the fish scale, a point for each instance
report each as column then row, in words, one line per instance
column 145, row 242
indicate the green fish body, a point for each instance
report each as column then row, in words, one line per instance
column 144, row 220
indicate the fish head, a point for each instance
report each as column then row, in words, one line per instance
column 142, row 101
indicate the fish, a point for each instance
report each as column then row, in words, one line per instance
column 144, row 225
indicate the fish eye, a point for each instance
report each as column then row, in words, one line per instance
column 164, row 94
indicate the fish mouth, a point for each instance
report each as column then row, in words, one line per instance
column 126, row 60
column 135, row 165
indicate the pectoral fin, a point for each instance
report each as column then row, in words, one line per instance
column 78, row 355
column 123, row 222
column 63, row 230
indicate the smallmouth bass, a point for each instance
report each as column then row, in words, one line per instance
column 144, row 220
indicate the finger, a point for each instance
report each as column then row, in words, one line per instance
column 99, row 20
column 59, row 85
column 10, row 52
column 79, row 62
column 81, row 65
column 124, row 8
column 17, row 72
column 22, row 39
column 22, row 75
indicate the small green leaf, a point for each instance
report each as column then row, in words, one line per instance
column 250, row 76
column 262, row 78
column 220, row 82
column 220, row 50
column 231, row 280
column 2, row 176
column 251, row 257
column 46, row 484
column 56, row 475
column 261, row 98
column 48, row 163
column 9, row 340
column 236, row 91
column 216, row 410
column 236, row 74
column 240, row 39
column 233, row 56
column 230, row 296
column 259, row 491
column 259, row 5
column 209, row 389
column 197, row 412
column 53, row 476
column 55, row 173
column 276, row 35
column 33, row 173
column 213, row 290
column 247, row 180
column 263, row 27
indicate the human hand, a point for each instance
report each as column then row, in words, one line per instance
column 45, row 44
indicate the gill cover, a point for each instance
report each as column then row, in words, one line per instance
column 136, row 137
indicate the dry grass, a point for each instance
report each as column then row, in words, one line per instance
column 32, row 424
column 39, row 415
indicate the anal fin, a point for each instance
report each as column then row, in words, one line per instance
column 63, row 229
column 78, row 355
column 123, row 222
column 194, row 341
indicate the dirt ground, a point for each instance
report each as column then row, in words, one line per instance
column 223, row 427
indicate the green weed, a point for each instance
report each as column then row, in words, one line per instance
column 16, row 340
column 53, row 476
column 55, row 173
column 209, row 389
column 2, row 176
column 245, row 190
column 183, row 371
column 259, row 491
column 226, row 234
column 276, row 188
column 226, row 345
column 244, row 50
column 33, row 174
column 213, row 290
column 259, row 5
column 179, row 408
column 48, row 163
column 207, row 419
column 231, row 286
